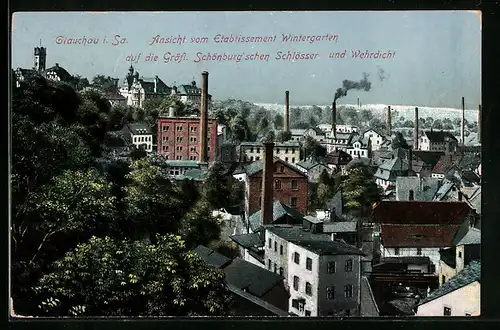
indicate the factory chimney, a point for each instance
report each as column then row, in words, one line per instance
column 204, row 119
column 334, row 119
column 462, row 124
column 266, row 210
column 388, row 120
column 415, row 130
column 287, row 112
column 358, row 104
column 479, row 114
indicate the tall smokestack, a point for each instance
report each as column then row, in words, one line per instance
column 266, row 210
column 410, row 159
column 204, row 119
column 388, row 120
column 415, row 130
column 358, row 104
column 334, row 119
column 462, row 124
column 479, row 114
column 287, row 112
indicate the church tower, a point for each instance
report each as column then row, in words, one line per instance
column 40, row 58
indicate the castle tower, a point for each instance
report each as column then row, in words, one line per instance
column 40, row 58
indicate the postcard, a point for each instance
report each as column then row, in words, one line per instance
column 258, row 164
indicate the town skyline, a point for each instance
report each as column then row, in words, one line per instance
column 445, row 46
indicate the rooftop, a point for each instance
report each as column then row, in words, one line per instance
column 279, row 211
column 249, row 241
column 340, row 227
column 323, row 247
column 473, row 236
column 212, row 257
column 251, row 278
column 468, row 275
column 258, row 166
column 296, row 234
column 440, row 136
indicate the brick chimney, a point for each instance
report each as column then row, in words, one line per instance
column 266, row 211
column 462, row 123
column 388, row 120
column 334, row 119
column 415, row 130
column 204, row 119
column 479, row 114
column 410, row 159
column 287, row 112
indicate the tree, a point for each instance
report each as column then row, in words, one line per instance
column 79, row 82
column 408, row 124
column 366, row 116
column 239, row 128
column 377, row 124
column 313, row 148
column 429, row 121
column 278, row 121
column 199, row 226
column 325, row 189
column 399, row 142
column 359, row 188
column 153, row 205
column 217, row 186
column 350, row 116
column 283, row 136
column 437, row 124
column 102, row 82
column 112, row 277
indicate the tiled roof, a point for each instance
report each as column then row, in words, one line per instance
column 276, row 144
column 368, row 304
column 139, row 128
column 338, row 157
column 251, row 278
column 390, row 168
column 468, row 275
column 188, row 90
column 195, row 174
column 212, row 257
column 249, row 241
column 259, row 302
column 322, row 247
column 296, row 233
column 60, row 72
column 440, row 136
column 148, row 85
column 429, row 158
column 409, row 260
column 444, row 164
column 258, row 166
column 182, row 163
column 309, row 164
column 340, row 227
column 418, row 235
column 371, row 129
column 473, row 236
column 449, row 256
column 475, row 200
column 279, row 211
column 423, row 188
column 421, row 212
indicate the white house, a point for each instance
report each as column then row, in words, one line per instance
column 141, row 136
column 460, row 296
column 341, row 141
column 361, row 147
column 437, row 141
column 286, row 151
column 377, row 139
column 327, row 128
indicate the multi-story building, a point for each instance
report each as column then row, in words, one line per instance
column 138, row 89
column 141, row 136
column 377, row 139
column 361, row 147
column 287, row 151
column 324, row 278
column 290, row 186
column 189, row 93
column 438, row 141
column 178, row 138
column 341, row 141
column 327, row 128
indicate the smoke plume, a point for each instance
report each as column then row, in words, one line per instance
column 349, row 84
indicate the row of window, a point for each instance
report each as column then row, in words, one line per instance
column 330, row 290
column 257, row 150
column 181, row 139
column 397, row 250
column 142, row 138
column 331, row 265
column 293, row 184
column 447, row 311
column 179, row 148
column 180, row 128
column 293, row 201
column 276, row 270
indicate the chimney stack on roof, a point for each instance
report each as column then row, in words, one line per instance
column 462, row 123
column 266, row 211
column 171, row 112
column 388, row 120
column 479, row 114
column 334, row 119
column 415, row 130
column 204, row 119
column 287, row 112
column 156, row 84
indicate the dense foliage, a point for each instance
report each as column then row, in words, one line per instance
column 360, row 189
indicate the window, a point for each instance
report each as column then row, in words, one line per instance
column 164, row 138
column 286, row 159
column 293, row 159
column 193, row 149
column 178, row 157
column 251, row 150
column 192, row 157
column 331, row 267
column 281, row 249
column 179, row 148
column 419, row 251
column 277, row 150
column 269, row 264
column 275, row 247
column 277, row 184
column 309, row 263
column 165, row 128
column 330, row 292
column 282, row 169
column 467, row 314
column 258, row 150
column 281, row 271
column 257, row 158
column 269, row 243
column 296, row 258
column 460, row 254
column 193, row 129
column 192, row 139
column 447, row 311
column 348, row 265
column 348, row 291
column 411, row 195
column 275, row 268
column 293, row 202
column 308, row 289
column 165, row 148
column 286, row 150
column 293, row 184
column 396, row 251
column 179, row 128
column 308, row 313
column 443, row 279
column 295, row 303
column 296, row 283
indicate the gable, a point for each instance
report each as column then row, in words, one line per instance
column 289, row 171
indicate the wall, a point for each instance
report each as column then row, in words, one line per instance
column 284, row 194
column 139, row 140
column 281, row 260
column 377, row 140
column 255, row 152
column 251, row 259
column 461, row 301
column 304, row 275
column 169, row 146
column 447, row 271
column 432, row 253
